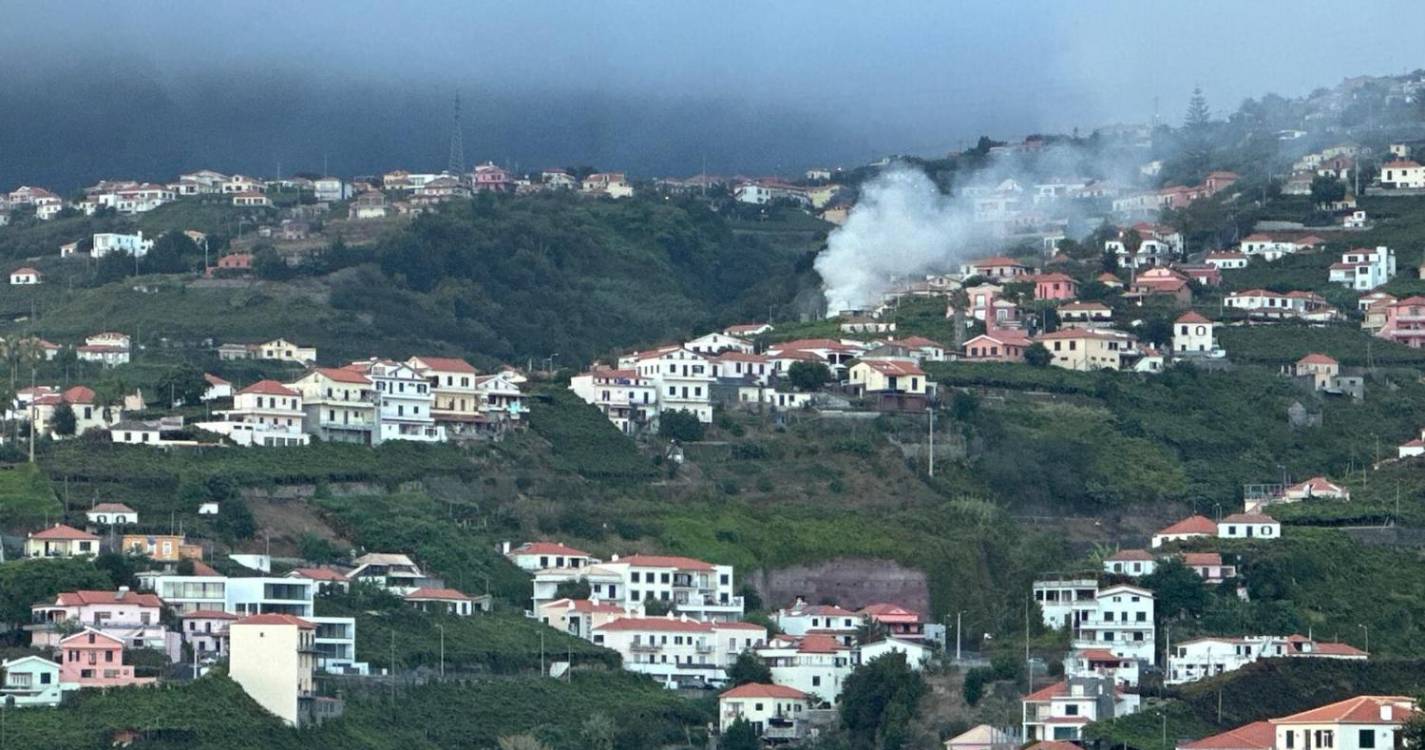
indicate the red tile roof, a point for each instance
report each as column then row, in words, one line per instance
column 276, row 619
column 1054, row 745
column 343, row 375
column 269, row 388
column 1129, row 555
column 1337, row 649
column 79, row 598
column 1193, row 559
column 1249, row 518
column 1259, row 735
column 207, row 614
column 1191, row 525
column 1362, row 709
column 585, row 605
column 819, row 643
column 1191, row 316
column 60, row 532
column 758, row 690
column 1316, row 358
column 214, row 379
column 1053, row 691
column 889, row 613
column 424, row 593
column 446, row 364
column 894, row 367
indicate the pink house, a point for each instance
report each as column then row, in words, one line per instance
column 1055, row 286
column 997, row 346
column 92, row 659
column 132, row 618
column 1405, row 322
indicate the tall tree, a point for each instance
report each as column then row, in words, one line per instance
column 63, row 422
column 1197, row 136
column 878, row 700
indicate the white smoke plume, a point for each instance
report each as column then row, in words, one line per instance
column 902, row 225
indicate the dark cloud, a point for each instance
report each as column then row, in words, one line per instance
column 143, row 88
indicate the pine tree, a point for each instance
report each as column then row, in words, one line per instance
column 1197, row 136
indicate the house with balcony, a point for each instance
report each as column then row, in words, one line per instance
column 1089, row 348
column 335, row 644
column 1060, row 711
column 817, row 664
column 1085, row 315
column 1063, row 601
column 1201, row 658
column 828, row 619
column 502, row 403
column 777, row 713
column 396, row 573
column 339, row 405
column 206, row 632
column 1364, row 269
column 682, row 379
column 1120, row 671
column 455, row 400
column 1405, row 322
column 679, row 651
column 579, row 617
column 1263, row 304
column 1121, row 621
column 626, row 398
column 135, row 619
column 94, row 659
column 404, row 404
column 266, row 413
column 61, row 541
column 31, row 681
column 894, row 620
column 691, row 587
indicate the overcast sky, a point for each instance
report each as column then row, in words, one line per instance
column 884, row 76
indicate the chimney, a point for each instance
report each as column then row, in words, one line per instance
column 1385, row 712
column 504, row 548
column 123, row 591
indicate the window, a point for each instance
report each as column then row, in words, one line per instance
column 1366, row 740
column 1071, row 710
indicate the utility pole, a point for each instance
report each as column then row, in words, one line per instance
column 957, row 636
column 542, row 671
column 442, row 650
column 1367, row 628
column 931, row 411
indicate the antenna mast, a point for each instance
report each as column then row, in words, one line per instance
column 456, row 164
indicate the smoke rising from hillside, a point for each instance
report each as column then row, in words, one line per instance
column 901, row 225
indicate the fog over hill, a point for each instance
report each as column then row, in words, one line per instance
column 94, row 90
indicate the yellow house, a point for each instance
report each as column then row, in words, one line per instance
column 453, row 386
column 339, row 404
column 1087, row 349
column 283, row 350
column 888, row 376
column 161, row 547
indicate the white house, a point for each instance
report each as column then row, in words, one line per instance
column 1226, row 261
column 679, row 651
column 534, row 556
column 816, row 664
column 626, row 398
column 444, row 601
column 273, row 658
column 217, row 389
column 1193, row 335
column 1130, row 562
column 1269, row 247
column 1200, row 658
column 690, row 586
column 404, row 402
column 682, row 379
column 1121, row 621
column 112, row 514
column 917, row 654
column 1249, row 526
column 1192, row 527
column 802, row 618
column 1061, row 711
column 777, row 713
column 579, row 617
column 1363, row 269
column 717, row 343
column 1402, row 174
column 331, row 189
column 1365, row 722
column 31, row 681
column 265, row 413
column 25, row 276
column 109, row 242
